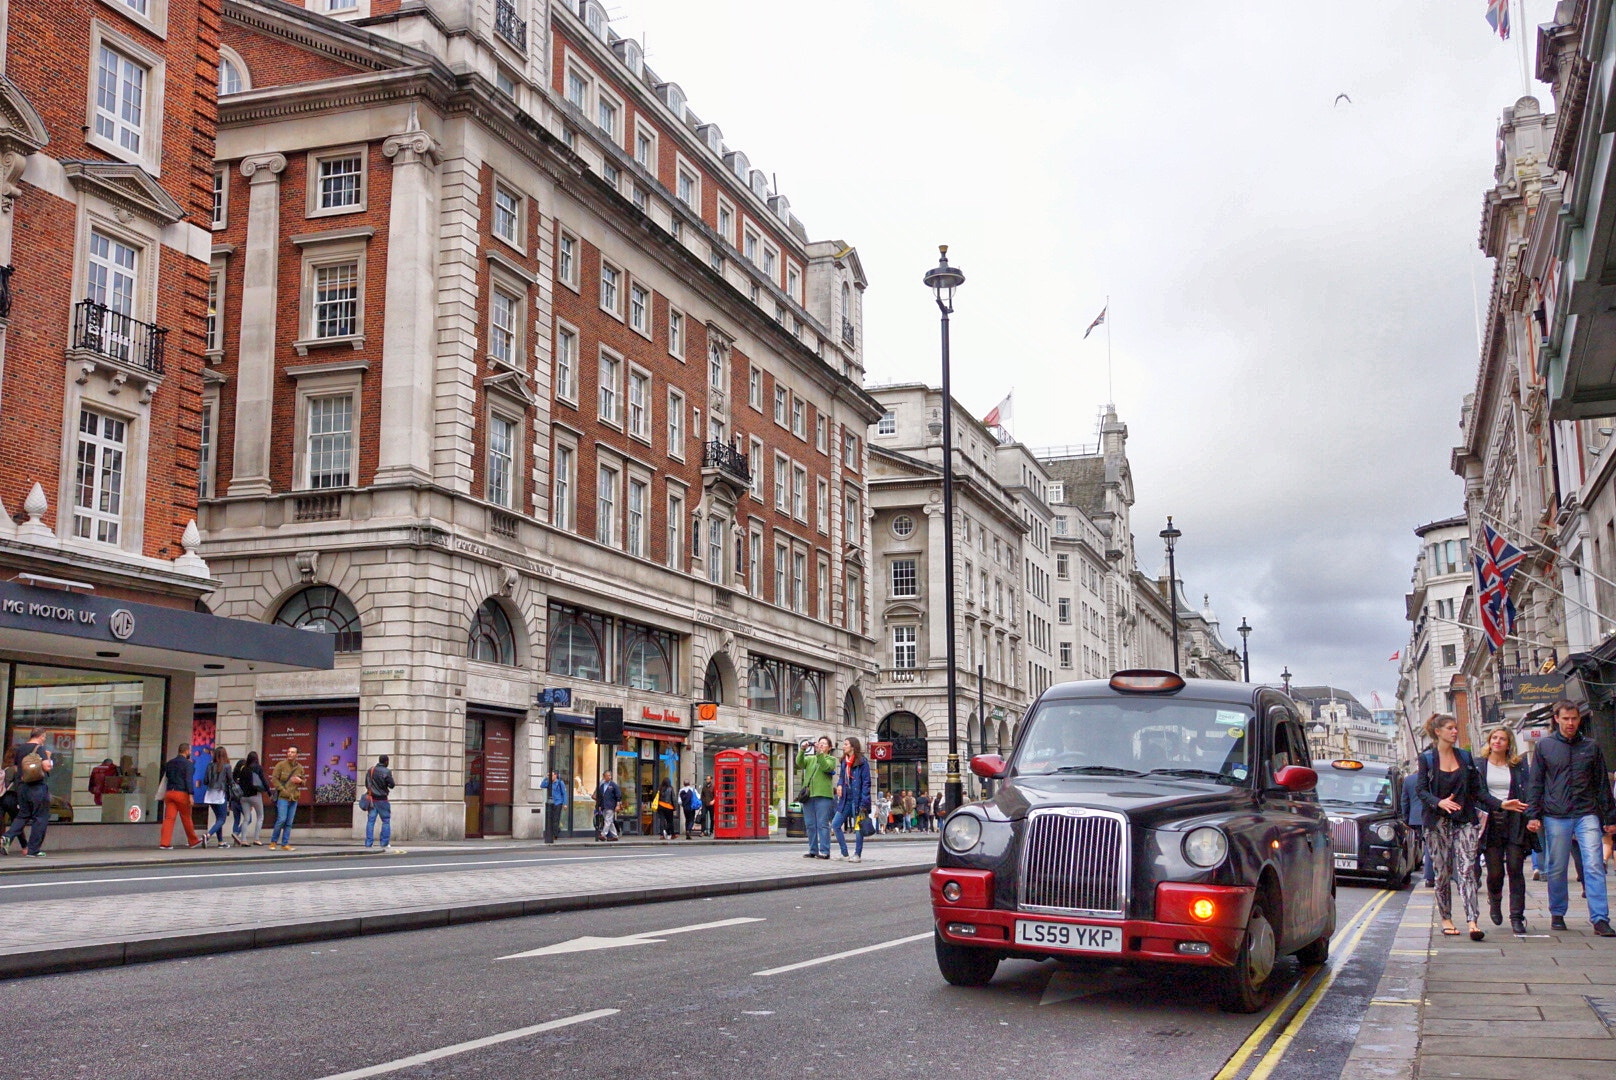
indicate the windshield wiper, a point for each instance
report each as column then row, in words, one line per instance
column 1208, row 773
column 1098, row 770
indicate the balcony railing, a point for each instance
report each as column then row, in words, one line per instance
column 726, row 459
column 508, row 26
column 5, row 291
column 847, row 333
column 100, row 330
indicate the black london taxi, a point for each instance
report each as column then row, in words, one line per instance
column 1144, row 819
column 1370, row 839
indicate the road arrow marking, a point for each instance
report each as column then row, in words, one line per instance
column 650, row 937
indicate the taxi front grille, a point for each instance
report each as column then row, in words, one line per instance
column 1344, row 835
column 1075, row 862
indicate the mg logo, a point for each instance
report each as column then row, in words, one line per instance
column 122, row 624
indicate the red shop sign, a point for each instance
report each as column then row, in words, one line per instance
column 880, row 751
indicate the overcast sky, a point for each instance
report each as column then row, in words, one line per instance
column 1293, row 321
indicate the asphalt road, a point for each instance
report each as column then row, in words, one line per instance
column 695, row 1000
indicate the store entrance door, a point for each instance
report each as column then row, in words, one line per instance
column 490, row 745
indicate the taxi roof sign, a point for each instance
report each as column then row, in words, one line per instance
column 1146, row 681
column 1346, row 764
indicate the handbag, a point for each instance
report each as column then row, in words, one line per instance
column 866, row 827
column 365, row 801
column 213, row 797
column 802, row 796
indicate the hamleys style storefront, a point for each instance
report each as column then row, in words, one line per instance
column 112, row 682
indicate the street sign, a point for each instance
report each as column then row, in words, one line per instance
column 559, row 697
column 880, row 751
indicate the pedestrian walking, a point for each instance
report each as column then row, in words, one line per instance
column 852, row 796
column 608, row 797
column 908, row 811
column 1413, row 813
column 666, row 822
column 555, row 804
column 216, row 782
column 254, row 785
column 287, row 779
column 1505, row 839
column 816, row 772
column 177, row 776
column 1568, row 796
column 1450, row 787
column 883, row 811
column 8, row 788
column 689, row 803
column 34, row 765
column 707, row 807
column 378, row 787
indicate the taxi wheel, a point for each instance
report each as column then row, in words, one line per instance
column 962, row 966
column 1244, row 986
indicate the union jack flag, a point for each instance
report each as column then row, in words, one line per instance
column 1498, row 17
column 1496, row 609
column 1503, row 556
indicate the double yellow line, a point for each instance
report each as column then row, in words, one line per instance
column 1349, row 936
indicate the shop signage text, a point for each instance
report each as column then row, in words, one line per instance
column 1534, row 689
column 54, row 612
column 663, row 716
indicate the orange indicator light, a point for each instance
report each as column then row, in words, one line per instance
column 1203, row 909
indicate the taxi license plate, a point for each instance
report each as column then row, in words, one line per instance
column 1077, row 937
column 1346, row 862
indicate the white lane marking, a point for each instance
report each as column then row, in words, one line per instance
column 331, row 869
column 650, row 937
column 843, row 955
column 474, row 1044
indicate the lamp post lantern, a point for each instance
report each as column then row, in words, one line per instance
column 942, row 280
column 1245, row 653
column 1285, row 677
column 1170, row 537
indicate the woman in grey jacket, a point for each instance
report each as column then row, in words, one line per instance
column 217, row 782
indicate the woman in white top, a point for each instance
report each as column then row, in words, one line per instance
column 1506, row 840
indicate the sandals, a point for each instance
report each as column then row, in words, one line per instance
column 1450, row 931
column 1478, row 935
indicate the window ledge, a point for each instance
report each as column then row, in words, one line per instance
column 305, row 344
column 510, row 265
column 332, row 236
column 336, row 367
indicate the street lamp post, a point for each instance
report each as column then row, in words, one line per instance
column 1285, row 677
column 1245, row 653
column 1170, row 537
column 942, row 280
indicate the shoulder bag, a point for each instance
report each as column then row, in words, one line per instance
column 365, row 801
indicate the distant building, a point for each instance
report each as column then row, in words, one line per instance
column 1338, row 725
column 1430, row 676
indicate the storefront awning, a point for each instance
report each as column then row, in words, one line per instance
column 66, row 626
column 652, row 733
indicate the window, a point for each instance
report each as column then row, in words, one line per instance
column 561, row 495
column 822, row 590
column 676, row 521
column 781, row 555
column 507, row 215
column 1057, row 491
column 611, row 281
column 645, row 148
column 676, row 333
column 205, row 456
column 645, row 657
column 491, row 638
column 120, row 99
column 970, row 588
column 98, row 487
column 852, row 617
column 779, row 687
column 336, row 300
column 754, row 562
column 751, row 248
column 567, row 260
column 611, row 370
column 726, row 222
column 782, row 494
column 780, row 398
column 1063, row 609
column 566, row 365
column 687, row 190
column 821, row 434
column 771, row 262
column 638, row 493
column 794, row 283
column 799, row 581
column 754, row 388
column 822, row 505
column 799, row 493
column 676, row 424
column 221, row 180
column 503, row 319
column 111, row 283
column 1063, row 567
column 903, row 646
column 852, row 521
column 905, row 581
column 903, row 526
column 504, row 81
column 609, row 171
column 850, row 450
column 755, row 461
column 799, row 418
column 606, row 113
column 715, row 364
column 606, row 506
column 639, row 404
column 1450, row 655
column 501, row 460
column 639, row 308
column 323, row 608
column 214, row 326
column 715, row 549
column 330, row 441
column 578, row 642
column 338, row 182
column 1060, row 524
column 577, row 89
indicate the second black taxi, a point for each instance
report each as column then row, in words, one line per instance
column 1143, row 819
column 1370, row 839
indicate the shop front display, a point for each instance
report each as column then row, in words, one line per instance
column 327, row 743
column 489, row 772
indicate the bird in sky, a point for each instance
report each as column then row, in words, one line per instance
column 1339, row 98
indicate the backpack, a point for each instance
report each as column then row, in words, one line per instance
column 31, row 770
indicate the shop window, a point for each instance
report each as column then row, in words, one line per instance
column 492, row 640
column 780, row 687
column 323, row 608
column 588, row 645
column 646, row 658
column 577, row 643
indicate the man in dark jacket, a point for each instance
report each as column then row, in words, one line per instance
column 707, row 807
column 1569, row 796
column 555, row 805
column 608, row 797
column 33, row 796
column 378, row 783
column 1413, row 814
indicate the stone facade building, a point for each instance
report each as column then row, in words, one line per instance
column 1431, row 665
column 520, row 377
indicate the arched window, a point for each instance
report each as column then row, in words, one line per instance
column 492, row 638
column 322, row 608
column 806, row 699
column 763, row 688
column 902, row 725
column 712, row 683
column 577, row 643
column 850, row 710
column 847, row 302
column 233, row 77
column 647, row 659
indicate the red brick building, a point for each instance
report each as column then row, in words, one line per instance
column 107, row 114
column 521, row 378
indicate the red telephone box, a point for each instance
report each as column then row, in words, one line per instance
column 740, row 795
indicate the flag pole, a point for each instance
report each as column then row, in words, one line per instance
column 1579, row 567
column 1526, row 72
column 1110, row 392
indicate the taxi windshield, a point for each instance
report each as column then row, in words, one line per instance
column 1358, row 786
column 1136, row 736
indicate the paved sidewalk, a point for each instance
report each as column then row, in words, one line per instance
column 1541, row 1007
column 56, row 935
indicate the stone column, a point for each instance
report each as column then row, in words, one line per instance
column 408, row 329
column 260, row 303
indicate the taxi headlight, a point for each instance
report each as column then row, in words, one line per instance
column 1386, row 831
column 962, row 833
column 1206, row 847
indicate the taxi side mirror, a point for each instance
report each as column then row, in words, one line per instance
column 1297, row 778
column 988, row 766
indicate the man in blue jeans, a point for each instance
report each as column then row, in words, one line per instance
column 378, row 782
column 555, row 805
column 1414, row 817
column 1569, row 796
column 287, row 778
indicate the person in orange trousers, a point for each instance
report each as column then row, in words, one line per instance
column 177, row 798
